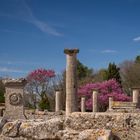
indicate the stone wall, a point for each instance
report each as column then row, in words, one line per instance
column 124, row 126
column 77, row 126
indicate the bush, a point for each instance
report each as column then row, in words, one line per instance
column 44, row 104
column 105, row 89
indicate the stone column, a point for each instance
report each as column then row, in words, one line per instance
column 110, row 103
column 95, row 102
column 83, row 109
column 58, row 105
column 135, row 95
column 14, row 99
column 71, row 80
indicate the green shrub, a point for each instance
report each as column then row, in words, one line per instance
column 44, row 104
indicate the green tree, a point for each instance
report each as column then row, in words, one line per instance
column 84, row 74
column 113, row 72
column 137, row 59
column 2, row 91
column 101, row 75
column 83, row 71
column 44, row 102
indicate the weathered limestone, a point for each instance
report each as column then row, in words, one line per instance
column 58, row 101
column 95, row 102
column 110, row 103
column 14, row 99
column 76, row 126
column 83, row 99
column 71, row 80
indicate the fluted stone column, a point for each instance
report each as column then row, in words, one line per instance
column 71, row 80
column 95, row 102
column 58, row 105
column 110, row 103
column 14, row 99
column 135, row 95
column 83, row 100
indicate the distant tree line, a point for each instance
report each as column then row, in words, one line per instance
column 44, row 82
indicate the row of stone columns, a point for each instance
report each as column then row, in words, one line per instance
column 135, row 92
column 58, row 102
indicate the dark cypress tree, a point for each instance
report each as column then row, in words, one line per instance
column 113, row 72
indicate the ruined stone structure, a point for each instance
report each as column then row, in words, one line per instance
column 58, row 101
column 76, row 126
column 71, row 80
column 14, row 99
column 126, row 106
column 112, row 125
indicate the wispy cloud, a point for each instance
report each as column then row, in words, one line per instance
column 26, row 14
column 5, row 69
column 44, row 27
column 136, row 39
column 109, row 51
column 18, row 62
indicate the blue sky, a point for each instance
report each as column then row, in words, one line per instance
column 34, row 33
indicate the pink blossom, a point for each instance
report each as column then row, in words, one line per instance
column 105, row 89
column 40, row 75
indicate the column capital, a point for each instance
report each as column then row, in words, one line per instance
column 71, row 51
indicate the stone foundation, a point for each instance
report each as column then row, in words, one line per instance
column 77, row 126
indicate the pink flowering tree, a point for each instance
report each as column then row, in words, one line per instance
column 105, row 89
column 39, row 82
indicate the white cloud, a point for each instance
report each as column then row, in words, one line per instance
column 109, row 51
column 137, row 39
column 4, row 69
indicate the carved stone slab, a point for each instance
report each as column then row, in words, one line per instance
column 14, row 99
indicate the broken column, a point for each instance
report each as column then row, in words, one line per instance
column 83, row 100
column 58, row 101
column 14, row 99
column 71, row 80
column 110, row 103
column 135, row 91
column 135, row 94
column 95, row 102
